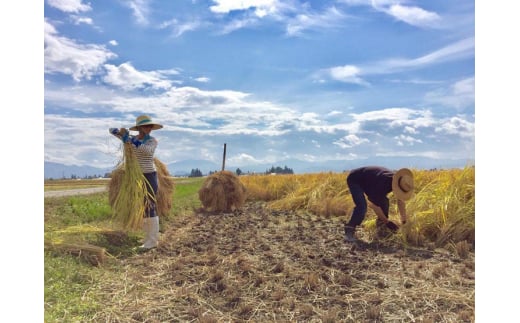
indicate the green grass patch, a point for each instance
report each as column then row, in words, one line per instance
column 74, row 210
column 186, row 195
column 71, row 291
column 71, row 284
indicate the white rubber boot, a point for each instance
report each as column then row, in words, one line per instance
column 146, row 228
column 151, row 229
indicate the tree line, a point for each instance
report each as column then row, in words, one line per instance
column 195, row 172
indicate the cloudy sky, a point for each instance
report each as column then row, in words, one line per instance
column 309, row 80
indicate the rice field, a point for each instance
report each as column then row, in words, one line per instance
column 441, row 212
column 279, row 258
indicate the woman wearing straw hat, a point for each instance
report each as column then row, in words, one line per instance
column 376, row 182
column 144, row 147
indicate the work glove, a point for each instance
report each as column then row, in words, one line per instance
column 125, row 135
column 392, row 226
column 136, row 142
column 113, row 131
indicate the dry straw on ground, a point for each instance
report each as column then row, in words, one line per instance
column 222, row 192
column 93, row 254
column 127, row 191
column 258, row 265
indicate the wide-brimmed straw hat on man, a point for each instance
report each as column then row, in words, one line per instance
column 402, row 184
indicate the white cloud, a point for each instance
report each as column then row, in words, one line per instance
column 403, row 140
column 353, row 74
column 196, row 122
column 296, row 16
column 140, row 10
column 128, row 78
column 457, row 126
column 202, row 79
column 243, row 159
column 237, row 24
column 456, row 51
column 389, row 114
column 179, row 28
column 459, row 95
column 347, row 74
column 261, row 6
column 413, row 15
column 70, row 6
column 373, row 3
column 78, row 20
column 334, row 113
column 350, row 141
column 328, row 19
column 410, row 130
column 63, row 55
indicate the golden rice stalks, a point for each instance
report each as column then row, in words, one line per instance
column 164, row 192
column 443, row 208
column 166, row 188
column 441, row 211
column 128, row 197
column 222, row 191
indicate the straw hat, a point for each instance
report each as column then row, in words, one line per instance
column 402, row 184
column 144, row 120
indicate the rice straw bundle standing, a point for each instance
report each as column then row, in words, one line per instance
column 166, row 187
column 222, row 191
column 135, row 203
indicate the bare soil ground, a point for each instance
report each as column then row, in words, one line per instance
column 256, row 265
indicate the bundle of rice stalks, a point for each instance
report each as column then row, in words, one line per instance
column 164, row 192
column 93, row 254
column 166, row 188
column 128, row 192
column 222, row 191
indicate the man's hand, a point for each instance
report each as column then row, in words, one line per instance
column 392, row 226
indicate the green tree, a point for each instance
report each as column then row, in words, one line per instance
column 195, row 173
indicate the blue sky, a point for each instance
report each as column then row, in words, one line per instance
column 275, row 80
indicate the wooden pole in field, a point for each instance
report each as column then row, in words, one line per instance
column 224, row 158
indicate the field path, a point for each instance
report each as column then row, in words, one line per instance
column 78, row 191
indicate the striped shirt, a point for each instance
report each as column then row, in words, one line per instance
column 144, row 154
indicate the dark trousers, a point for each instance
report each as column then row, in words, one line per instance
column 360, row 208
column 150, row 210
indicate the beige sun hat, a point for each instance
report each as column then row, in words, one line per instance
column 402, row 184
column 144, row 120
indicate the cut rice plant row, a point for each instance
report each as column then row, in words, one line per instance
column 442, row 210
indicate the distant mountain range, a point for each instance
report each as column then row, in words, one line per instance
column 183, row 168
